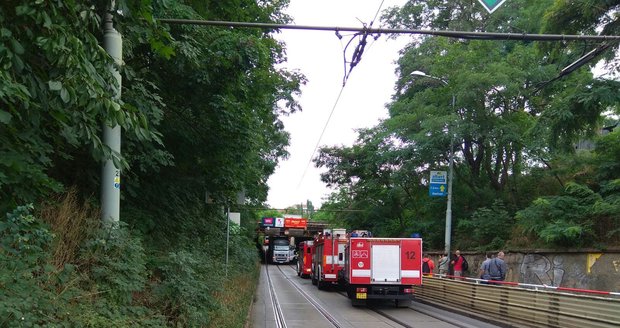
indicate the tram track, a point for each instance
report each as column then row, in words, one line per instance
column 312, row 301
column 278, row 315
column 394, row 319
column 326, row 313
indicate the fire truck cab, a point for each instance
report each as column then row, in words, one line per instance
column 304, row 258
column 382, row 268
column 328, row 257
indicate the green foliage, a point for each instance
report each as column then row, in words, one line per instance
column 33, row 293
column 56, row 91
column 200, row 111
column 565, row 220
column 188, row 283
column 116, row 264
column 488, row 228
column 23, row 236
column 24, row 249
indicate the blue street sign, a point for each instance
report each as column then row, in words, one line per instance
column 438, row 182
column 438, row 190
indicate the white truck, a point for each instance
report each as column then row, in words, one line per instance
column 281, row 250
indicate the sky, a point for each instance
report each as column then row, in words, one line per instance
column 319, row 56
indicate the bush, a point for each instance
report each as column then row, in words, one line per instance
column 187, row 281
column 488, row 228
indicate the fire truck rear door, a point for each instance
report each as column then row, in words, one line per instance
column 385, row 263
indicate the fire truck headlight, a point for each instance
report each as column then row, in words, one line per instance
column 360, row 264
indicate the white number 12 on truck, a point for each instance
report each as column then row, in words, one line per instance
column 382, row 268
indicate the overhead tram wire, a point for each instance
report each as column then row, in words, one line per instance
column 451, row 34
column 321, row 136
column 356, row 58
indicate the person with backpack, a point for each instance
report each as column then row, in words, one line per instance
column 460, row 265
column 428, row 266
column 444, row 265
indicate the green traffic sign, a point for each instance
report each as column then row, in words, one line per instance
column 491, row 5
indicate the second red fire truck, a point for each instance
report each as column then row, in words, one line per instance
column 328, row 257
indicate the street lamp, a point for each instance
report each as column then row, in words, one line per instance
column 450, row 168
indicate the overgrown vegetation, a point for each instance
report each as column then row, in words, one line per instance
column 200, row 113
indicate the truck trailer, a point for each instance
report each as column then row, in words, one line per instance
column 382, row 268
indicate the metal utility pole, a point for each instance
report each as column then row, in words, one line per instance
column 110, row 174
column 447, row 238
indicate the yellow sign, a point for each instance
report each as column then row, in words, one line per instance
column 361, row 296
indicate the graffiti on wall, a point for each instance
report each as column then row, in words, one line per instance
column 539, row 269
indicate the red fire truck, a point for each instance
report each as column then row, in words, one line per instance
column 382, row 268
column 304, row 258
column 328, row 257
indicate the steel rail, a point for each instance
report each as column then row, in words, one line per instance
column 369, row 30
column 312, row 301
column 275, row 303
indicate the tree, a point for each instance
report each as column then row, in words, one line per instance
column 512, row 120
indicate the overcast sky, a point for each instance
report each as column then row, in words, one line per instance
column 319, row 56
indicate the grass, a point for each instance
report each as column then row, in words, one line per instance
column 235, row 301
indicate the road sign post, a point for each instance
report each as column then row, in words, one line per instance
column 491, row 5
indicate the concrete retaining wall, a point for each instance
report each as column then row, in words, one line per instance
column 585, row 270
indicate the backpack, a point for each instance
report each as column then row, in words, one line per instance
column 501, row 275
column 425, row 267
column 465, row 265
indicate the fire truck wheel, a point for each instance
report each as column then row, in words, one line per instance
column 313, row 279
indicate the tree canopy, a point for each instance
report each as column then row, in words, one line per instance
column 513, row 123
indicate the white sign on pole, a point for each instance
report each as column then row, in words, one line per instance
column 279, row 223
column 439, row 177
column 235, row 217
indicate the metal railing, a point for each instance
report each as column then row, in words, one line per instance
column 521, row 307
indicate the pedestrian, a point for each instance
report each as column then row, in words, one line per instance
column 444, row 265
column 428, row 266
column 497, row 267
column 457, row 263
column 502, row 264
column 485, row 268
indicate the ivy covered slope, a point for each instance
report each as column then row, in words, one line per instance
column 199, row 112
column 519, row 180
